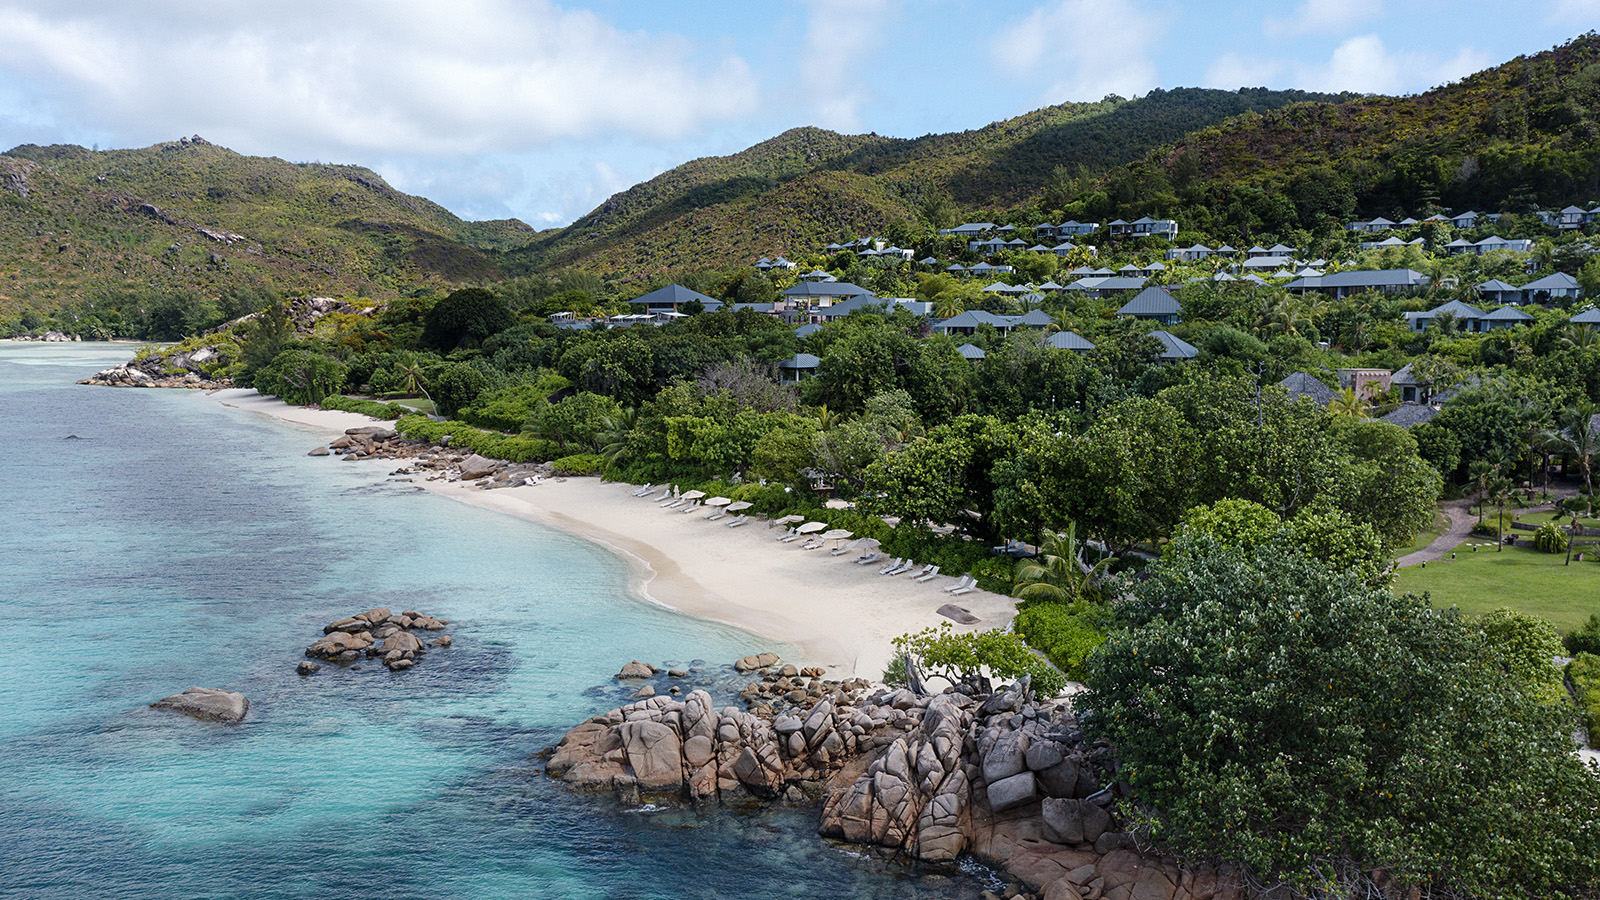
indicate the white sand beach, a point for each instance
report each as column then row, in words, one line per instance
column 842, row 616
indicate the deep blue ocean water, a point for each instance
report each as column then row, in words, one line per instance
column 176, row 543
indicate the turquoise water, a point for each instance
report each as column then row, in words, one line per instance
column 175, row 543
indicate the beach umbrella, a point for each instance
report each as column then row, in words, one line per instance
column 694, row 495
column 811, row 527
column 789, row 520
column 738, row 505
column 718, row 501
column 838, row 534
column 865, row 544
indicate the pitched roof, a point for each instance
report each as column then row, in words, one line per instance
column 800, row 361
column 1587, row 317
column 1175, row 347
column 1362, row 278
column 1559, row 281
column 1407, row 415
column 676, row 294
column 1455, row 308
column 970, row 352
column 825, row 289
column 1304, row 384
column 1152, row 301
column 807, row 330
column 1496, row 286
column 1069, row 340
column 1508, row 314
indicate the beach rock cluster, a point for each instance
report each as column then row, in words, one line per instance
column 1005, row 777
column 172, row 370
column 50, row 337
column 378, row 634
column 207, row 705
column 433, row 462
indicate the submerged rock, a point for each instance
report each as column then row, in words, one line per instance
column 207, row 704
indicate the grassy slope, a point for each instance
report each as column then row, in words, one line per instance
column 72, row 220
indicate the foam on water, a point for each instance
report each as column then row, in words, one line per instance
column 175, row 544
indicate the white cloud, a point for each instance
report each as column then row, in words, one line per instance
column 1581, row 13
column 1083, row 49
column 841, row 37
column 1325, row 18
column 1362, row 64
column 364, row 77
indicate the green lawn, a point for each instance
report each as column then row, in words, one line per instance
column 1525, row 580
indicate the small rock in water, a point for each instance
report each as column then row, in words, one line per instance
column 318, row 451
column 646, row 691
column 307, row 667
column 207, row 704
column 636, row 669
column 677, row 673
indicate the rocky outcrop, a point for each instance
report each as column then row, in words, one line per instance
column 1004, row 777
column 207, row 704
column 168, row 370
column 378, row 634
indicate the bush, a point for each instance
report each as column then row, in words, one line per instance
column 1525, row 648
column 456, row 386
column 1065, row 632
column 366, row 407
column 1584, row 671
column 958, row 657
column 1549, row 538
column 515, row 448
column 1586, row 639
column 301, row 377
column 580, row 464
column 1277, row 713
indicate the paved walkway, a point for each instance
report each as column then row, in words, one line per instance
column 1461, row 522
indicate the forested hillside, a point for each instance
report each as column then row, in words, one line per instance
column 1513, row 138
column 806, row 186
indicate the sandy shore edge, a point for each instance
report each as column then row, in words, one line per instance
column 838, row 615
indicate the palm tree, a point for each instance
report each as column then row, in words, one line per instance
column 1059, row 572
column 1574, row 435
column 1348, row 403
column 410, row 373
column 1500, row 491
column 947, row 306
column 827, row 420
column 1480, row 473
column 614, row 430
column 1580, row 337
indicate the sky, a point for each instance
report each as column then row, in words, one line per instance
column 541, row 110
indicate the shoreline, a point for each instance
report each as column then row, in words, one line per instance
column 840, row 616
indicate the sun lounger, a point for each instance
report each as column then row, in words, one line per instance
column 839, row 551
column 966, row 590
column 693, row 506
column 904, row 567
column 790, row 538
column 718, row 513
column 676, row 503
column 923, row 571
column 891, row 566
column 739, row 521
column 644, row 490
column 961, row 582
column 931, row 574
column 870, row 557
column 788, row 533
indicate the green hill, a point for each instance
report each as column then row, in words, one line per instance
column 1520, row 136
column 807, row 186
column 189, row 215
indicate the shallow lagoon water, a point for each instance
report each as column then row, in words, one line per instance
column 173, row 543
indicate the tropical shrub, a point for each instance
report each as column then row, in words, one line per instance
column 366, row 407
column 1001, row 654
column 515, row 448
column 1524, row 648
column 1274, row 711
column 1585, row 638
column 1584, row 672
column 1065, row 632
column 1550, row 538
column 300, row 376
column 579, row 464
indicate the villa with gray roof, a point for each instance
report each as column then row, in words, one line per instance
column 1155, row 304
column 1343, row 284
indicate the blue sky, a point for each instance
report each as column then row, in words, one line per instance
column 541, row 110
